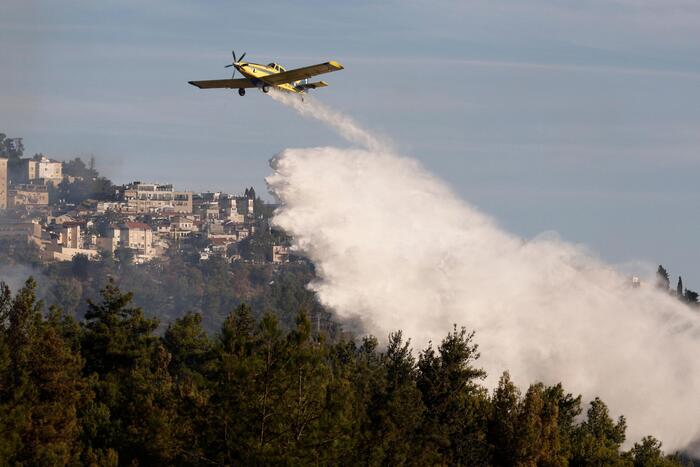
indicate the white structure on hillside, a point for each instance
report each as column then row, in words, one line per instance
column 136, row 236
column 38, row 168
column 153, row 197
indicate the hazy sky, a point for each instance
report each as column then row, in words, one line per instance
column 580, row 117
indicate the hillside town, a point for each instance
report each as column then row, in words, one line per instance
column 66, row 209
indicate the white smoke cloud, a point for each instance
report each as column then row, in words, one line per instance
column 396, row 248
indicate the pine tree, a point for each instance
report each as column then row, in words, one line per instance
column 188, row 344
column 598, row 439
column 191, row 366
column 503, row 422
column 568, row 408
column 648, row 453
column 537, row 434
column 21, row 317
column 117, row 336
column 456, row 406
column 303, row 407
column 128, row 370
column 662, row 278
column 368, row 378
column 394, row 406
column 679, row 288
column 42, row 388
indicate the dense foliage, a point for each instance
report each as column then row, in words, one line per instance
column 108, row 391
column 663, row 282
column 84, row 183
column 11, row 148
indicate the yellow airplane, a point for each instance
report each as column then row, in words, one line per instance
column 265, row 77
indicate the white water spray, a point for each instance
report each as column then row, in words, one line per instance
column 344, row 125
column 394, row 247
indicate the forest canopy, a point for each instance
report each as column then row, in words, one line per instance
column 106, row 390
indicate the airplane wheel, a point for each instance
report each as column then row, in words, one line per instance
column 241, row 92
column 266, row 89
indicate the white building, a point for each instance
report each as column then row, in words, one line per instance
column 153, row 197
column 280, row 254
column 39, row 167
column 133, row 235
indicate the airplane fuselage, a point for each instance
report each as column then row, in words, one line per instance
column 255, row 71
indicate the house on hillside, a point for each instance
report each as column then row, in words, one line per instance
column 36, row 170
column 136, row 236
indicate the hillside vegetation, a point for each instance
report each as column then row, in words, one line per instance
column 106, row 390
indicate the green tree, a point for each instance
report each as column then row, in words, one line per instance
column 503, row 422
column 598, row 439
column 302, row 407
column 66, row 294
column 42, row 387
column 662, row 278
column 648, row 453
column 124, row 255
column 191, row 366
column 11, row 148
column 568, row 408
column 231, row 433
column 80, row 266
column 394, row 405
column 188, row 344
column 128, row 368
column 537, row 434
column 77, row 168
column 456, row 405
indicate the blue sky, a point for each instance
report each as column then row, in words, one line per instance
column 580, row 117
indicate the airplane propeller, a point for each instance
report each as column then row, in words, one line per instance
column 235, row 62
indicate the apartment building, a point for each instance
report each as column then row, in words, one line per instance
column 153, row 197
column 31, row 196
column 36, row 169
column 137, row 236
column 69, row 235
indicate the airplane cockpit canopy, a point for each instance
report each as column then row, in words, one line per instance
column 276, row 66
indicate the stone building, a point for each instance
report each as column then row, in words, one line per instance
column 280, row 254
column 69, row 235
column 153, row 197
column 37, row 169
column 137, row 236
column 31, row 196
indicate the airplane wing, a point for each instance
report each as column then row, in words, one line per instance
column 223, row 83
column 301, row 73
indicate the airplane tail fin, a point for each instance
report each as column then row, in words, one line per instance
column 317, row 84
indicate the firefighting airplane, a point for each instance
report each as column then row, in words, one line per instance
column 274, row 75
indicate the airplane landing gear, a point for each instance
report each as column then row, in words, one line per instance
column 266, row 89
column 241, row 91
